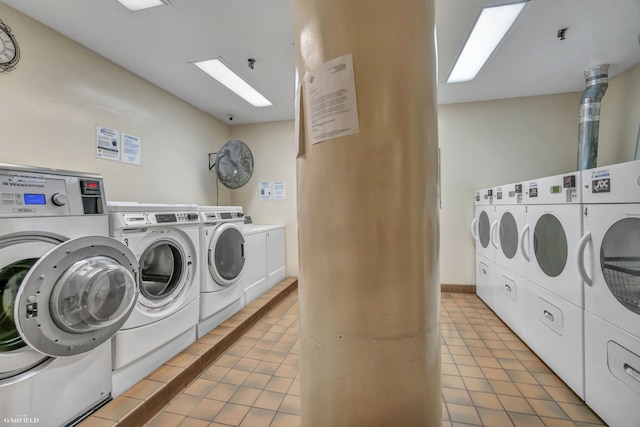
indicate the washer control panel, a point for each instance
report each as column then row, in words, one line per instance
column 146, row 219
column 222, row 216
column 31, row 193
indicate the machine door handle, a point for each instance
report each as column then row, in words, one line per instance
column 508, row 288
column 581, row 269
column 474, row 229
column 548, row 315
column 525, row 248
column 632, row 372
column 492, row 232
column 242, row 254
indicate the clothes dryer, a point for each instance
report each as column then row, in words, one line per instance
column 510, row 263
column 609, row 263
column 66, row 288
column 222, row 246
column 165, row 240
column 555, row 323
column 482, row 227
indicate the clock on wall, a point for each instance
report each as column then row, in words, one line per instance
column 9, row 50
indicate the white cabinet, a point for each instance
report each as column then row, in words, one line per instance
column 264, row 266
column 255, row 266
column 276, row 268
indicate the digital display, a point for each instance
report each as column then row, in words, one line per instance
column 165, row 218
column 555, row 189
column 90, row 188
column 35, row 199
column 225, row 215
column 569, row 181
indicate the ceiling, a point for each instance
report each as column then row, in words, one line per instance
column 159, row 45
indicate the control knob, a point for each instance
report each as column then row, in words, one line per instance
column 59, row 199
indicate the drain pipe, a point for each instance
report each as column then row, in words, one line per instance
column 597, row 83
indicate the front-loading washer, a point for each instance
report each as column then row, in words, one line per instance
column 65, row 287
column 609, row 263
column 165, row 240
column 222, row 246
column 482, row 227
column 510, row 265
column 555, row 324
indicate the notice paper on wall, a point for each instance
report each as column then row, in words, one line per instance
column 279, row 190
column 266, row 190
column 330, row 104
column 131, row 149
column 107, row 143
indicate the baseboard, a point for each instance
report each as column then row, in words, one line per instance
column 457, row 289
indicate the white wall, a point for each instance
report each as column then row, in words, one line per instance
column 60, row 91
column 274, row 155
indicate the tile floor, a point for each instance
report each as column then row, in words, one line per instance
column 489, row 377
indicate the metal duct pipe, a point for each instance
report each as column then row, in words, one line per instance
column 597, row 83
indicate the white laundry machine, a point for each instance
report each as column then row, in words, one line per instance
column 165, row 240
column 65, row 289
column 554, row 304
column 222, row 246
column 482, row 227
column 510, row 264
column 609, row 263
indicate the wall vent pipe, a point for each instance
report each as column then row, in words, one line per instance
column 597, row 82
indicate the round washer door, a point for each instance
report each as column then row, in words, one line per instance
column 77, row 296
column 226, row 254
column 508, row 235
column 165, row 272
column 484, row 227
column 620, row 262
column 550, row 245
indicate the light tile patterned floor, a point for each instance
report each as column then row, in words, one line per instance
column 489, row 377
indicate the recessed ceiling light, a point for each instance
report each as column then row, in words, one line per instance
column 220, row 71
column 490, row 28
column 141, row 4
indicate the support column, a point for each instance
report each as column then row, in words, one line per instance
column 368, row 222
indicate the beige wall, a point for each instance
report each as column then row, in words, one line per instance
column 521, row 138
column 484, row 144
column 60, row 91
column 274, row 155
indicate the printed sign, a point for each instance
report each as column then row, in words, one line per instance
column 107, row 143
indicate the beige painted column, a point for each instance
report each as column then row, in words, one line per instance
column 368, row 223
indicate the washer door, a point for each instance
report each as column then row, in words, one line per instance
column 484, row 226
column 164, row 273
column 76, row 296
column 508, row 235
column 550, row 245
column 226, row 254
column 620, row 262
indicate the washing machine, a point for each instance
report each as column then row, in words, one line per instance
column 222, row 246
column 165, row 240
column 65, row 289
column 555, row 324
column 510, row 266
column 609, row 263
column 482, row 227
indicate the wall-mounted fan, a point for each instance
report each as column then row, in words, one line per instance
column 233, row 164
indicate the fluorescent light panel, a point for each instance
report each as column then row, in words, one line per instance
column 489, row 30
column 220, row 71
column 141, row 4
